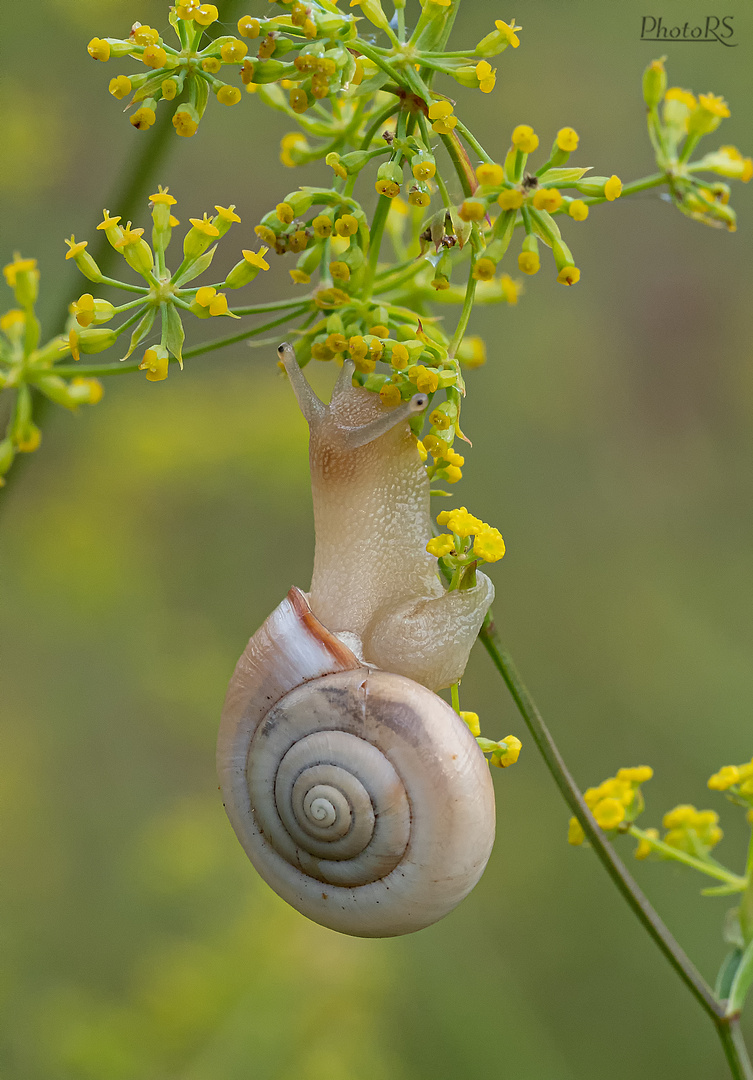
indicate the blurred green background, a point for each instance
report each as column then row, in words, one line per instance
column 151, row 535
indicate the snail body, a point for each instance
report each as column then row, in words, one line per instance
column 359, row 795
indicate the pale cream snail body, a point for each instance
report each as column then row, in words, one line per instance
column 359, row 795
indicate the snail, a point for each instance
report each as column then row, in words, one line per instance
column 358, row 794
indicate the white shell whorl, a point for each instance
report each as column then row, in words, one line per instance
column 359, row 796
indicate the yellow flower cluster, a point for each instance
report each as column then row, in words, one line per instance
column 616, row 801
column 455, row 546
column 735, row 780
column 689, row 829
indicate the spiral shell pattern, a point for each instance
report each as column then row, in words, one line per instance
column 360, row 796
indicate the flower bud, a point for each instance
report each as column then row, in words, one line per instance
column 389, row 178
column 246, row 270
column 96, row 339
column 654, row 83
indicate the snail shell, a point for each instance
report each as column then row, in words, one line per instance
column 359, row 795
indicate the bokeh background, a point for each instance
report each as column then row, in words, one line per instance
column 151, row 535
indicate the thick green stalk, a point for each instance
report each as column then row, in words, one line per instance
column 727, row 1027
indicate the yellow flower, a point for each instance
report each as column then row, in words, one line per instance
column 567, row 139
column 288, row 143
column 489, row 545
column 473, row 722
column 511, row 199
column 508, row 31
column 228, row 95
column 511, row 755
column 145, row 35
column 714, row 104
column 525, row 139
column 575, row 834
column 472, row 351
column 638, row 774
column 725, row 778
column 461, row 522
column 609, row 813
column 425, row 379
column 206, row 14
column 95, row 389
column 228, row 214
column 99, row 49
column 472, row 210
column 14, row 317
column 681, row 815
column 248, row 27
column 154, row 56
column 340, row 271
column 188, row 8
column 155, row 363
column 569, row 275
column 645, row 848
column 548, row 199
column 511, row 290
column 486, row 76
column 143, row 118
column 441, row 545
column 299, row 277
column 211, row 64
column 490, row 174
column 256, row 258
column 529, row 262
column 184, row 123
column 232, row 52
column 578, row 210
column 76, row 247
column 285, row 213
column 19, row 266
column 30, row 440
column 346, row 225
column 204, row 225
column 438, row 110
column 390, row 395
column 163, row 196
column 613, row 188
column 685, row 96
column 483, row 269
column 120, row 86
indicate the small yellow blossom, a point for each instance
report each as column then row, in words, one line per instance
column 489, row 174
column 509, row 756
column 211, row 64
column 143, row 118
column 472, row 351
column 483, row 269
column 120, row 86
column 511, row 199
column 299, row 277
column 228, row 95
column 568, row 275
column 714, row 104
column 340, row 271
column 204, row 225
column 613, row 188
column 347, row 225
column 645, row 848
column 725, row 778
column 486, row 75
column 511, row 290
column 578, row 210
column 441, row 545
column 228, row 214
column 548, row 199
column 163, row 196
column 575, row 834
column 609, row 813
column 233, row 51
column 155, row 363
column 256, row 258
column 390, row 395
column 145, row 35
column 206, row 14
column 489, row 545
column 461, row 522
column 637, row 774
column 679, row 816
column 426, row 381
column 675, row 93
column 76, row 247
column 19, row 266
column 248, row 27
column 14, row 317
column 508, row 30
column 184, row 123
column 567, row 139
column 472, row 210
column 154, row 56
column 525, row 139
column 99, row 49
column 288, row 143
column 529, row 262
column 472, row 720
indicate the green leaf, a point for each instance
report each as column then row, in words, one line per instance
column 202, row 93
column 741, row 982
column 371, row 86
column 564, row 176
column 172, row 332
column 727, row 972
column 141, row 331
column 194, row 269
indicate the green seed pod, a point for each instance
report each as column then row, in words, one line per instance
column 654, row 83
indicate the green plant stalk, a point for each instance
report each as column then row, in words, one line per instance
column 465, row 314
column 727, row 1027
column 710, row 868
column 376, row 231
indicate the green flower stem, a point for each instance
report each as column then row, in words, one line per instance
column 125, row 285
column 377, row 58
column 377, row 229
column 465, row 174
column 103, row 370
column 644, row 184
column 273, row 305
column 609, row 859
column 727, row 1027
column 746, row 902
column 473, row 142
column 387, row 284
column 465, row 314
column 455, row 696
column 382, row 118
column 711, row 869
column 129, row 322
